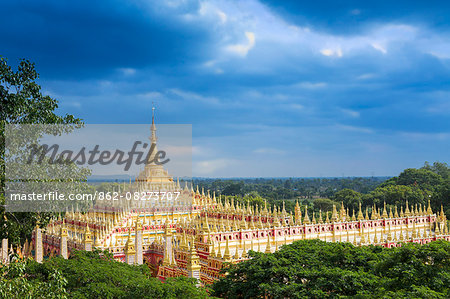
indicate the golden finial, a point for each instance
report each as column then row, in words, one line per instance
column 407, row 212
column 401, row 233
column 227, row 255
column 414, row 231
column 244, row 252
column 385, row 215
column 334, row 216
column 362, row 239
column 348, row 235
column 306, row 220
column 429, row 210
column 268, row 249
column 236, row 254
column 360, row 214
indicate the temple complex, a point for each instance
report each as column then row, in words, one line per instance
column 199, row 232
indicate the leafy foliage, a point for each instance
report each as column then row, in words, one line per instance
column 416, row 186
column 91, row 275
column 15, row 282
column 317, row 269
column 349, row 197
column 22, row 103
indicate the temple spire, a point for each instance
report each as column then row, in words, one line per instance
column 153, row 127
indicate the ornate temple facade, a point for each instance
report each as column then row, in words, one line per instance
column 196, row 235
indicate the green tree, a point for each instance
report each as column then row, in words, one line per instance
column 439, row 168
column 424, row 178
column 15, row 282
column 431, row 182
column 92, row 275
column 350, row 198
column 22, row 103
column 398, row 195
column 324, row 204
column 233, row 189
column 317, row 269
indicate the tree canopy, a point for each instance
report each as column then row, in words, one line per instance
column 22, row 102
column 317, row 269
column 417, row 186
column 90, row 275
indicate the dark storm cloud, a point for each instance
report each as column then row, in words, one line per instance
column 352, row 17
column 320, row 87
column 90, row 38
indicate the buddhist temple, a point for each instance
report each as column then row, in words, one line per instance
column 199, row 233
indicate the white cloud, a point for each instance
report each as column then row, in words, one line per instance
column 127, row 71
column 296, row 106
column 419, row 136
column 194, row 96
column 242, row 49
column 327, row 52
column 310, row 85
column 351, row 113
column 332, row 52
column 379, row 48
column 210, row 63
column 208, row 167
column 227, row 18
column 174, row 3
column 105, row 83
column 373, row 147
column 366, row 76
column 354, row 129
column 299, row 29
column 208, row 9
column 150, row 95
column 222, row 15
column 439, row 55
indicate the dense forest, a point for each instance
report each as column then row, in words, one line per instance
column 307, row 268
column 289, row 188
column 89, row 275
column 317, row 269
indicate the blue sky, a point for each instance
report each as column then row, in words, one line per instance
column 271, row 88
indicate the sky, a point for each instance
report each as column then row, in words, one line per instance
column 271, row 88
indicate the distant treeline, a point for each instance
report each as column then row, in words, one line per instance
column 290, row 188
column 415, row 186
